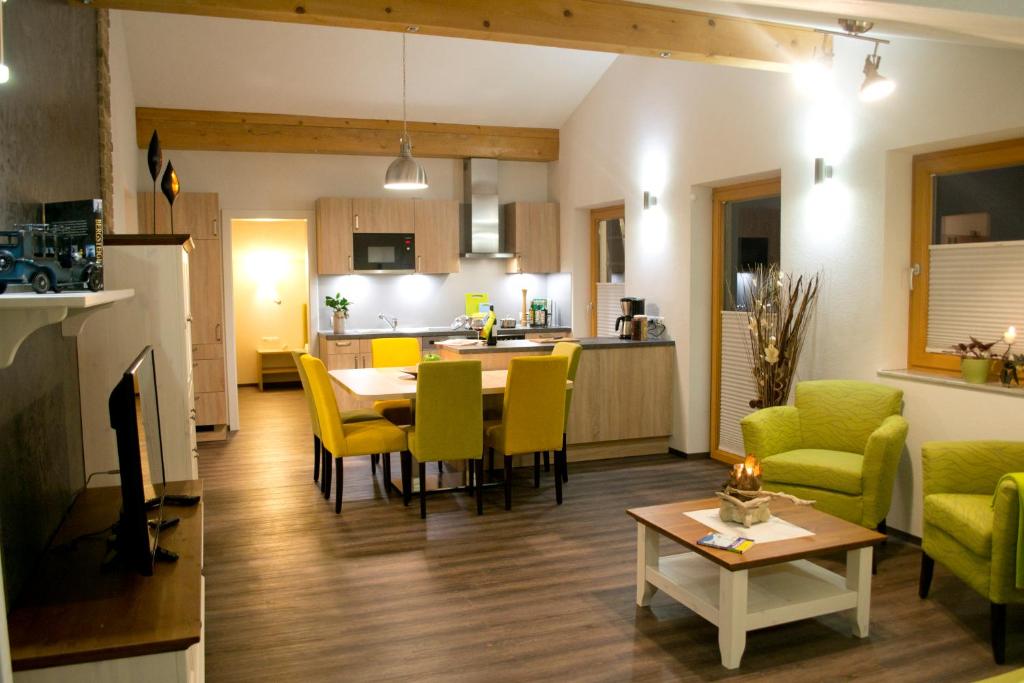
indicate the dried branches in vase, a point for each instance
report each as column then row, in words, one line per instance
column 781, row 308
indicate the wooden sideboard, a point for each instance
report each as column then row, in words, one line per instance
column 77, row 622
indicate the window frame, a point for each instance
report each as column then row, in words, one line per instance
column 963, row 159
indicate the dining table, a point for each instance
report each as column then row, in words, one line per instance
column 383, row 384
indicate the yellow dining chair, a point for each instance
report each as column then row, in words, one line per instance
column 343, row 440
column 360, row 415
column 532, row 416
column 573, row 352
column 449, row 423
column 395, row 352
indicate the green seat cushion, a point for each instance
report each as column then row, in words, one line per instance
column 817, row 468
column 967, row 517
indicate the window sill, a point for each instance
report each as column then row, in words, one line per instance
column 948, row 380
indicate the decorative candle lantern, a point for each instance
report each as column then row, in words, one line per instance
column 746, row 476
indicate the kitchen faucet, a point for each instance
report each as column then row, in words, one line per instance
column 392, row 322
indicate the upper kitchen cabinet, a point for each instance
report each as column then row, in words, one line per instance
column 437, row 235
column 382, row 215
column 531, row 233
column 333, row 236
column 195, row 213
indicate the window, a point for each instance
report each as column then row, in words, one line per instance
column 967, row 245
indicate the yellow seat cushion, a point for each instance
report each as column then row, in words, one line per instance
column 967, row 517
column 359, row 415
column 397, row 411
column 817, row 468
column 374, row 436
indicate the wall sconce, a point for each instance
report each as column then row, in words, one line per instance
column 649, row 200
column 5, row 71
column 822, row 171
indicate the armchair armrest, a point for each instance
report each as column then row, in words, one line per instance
column 881, row 460
column 771, row 430
column 1005, row 523
column 968, row 466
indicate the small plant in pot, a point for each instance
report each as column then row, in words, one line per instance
column 339, row 305
column 975, row 360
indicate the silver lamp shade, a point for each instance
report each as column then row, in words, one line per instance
column 405, row 173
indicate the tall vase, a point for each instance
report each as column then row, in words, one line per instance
column 338, row 322
column 975, row 370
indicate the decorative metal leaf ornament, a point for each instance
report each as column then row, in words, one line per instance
column 154, row 156
column 169, row 184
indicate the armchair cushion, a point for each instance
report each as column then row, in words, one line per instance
column 816, row 468
column 841, row 414
column 967, row 517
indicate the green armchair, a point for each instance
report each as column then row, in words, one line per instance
column 971, row 520
column 840, row 445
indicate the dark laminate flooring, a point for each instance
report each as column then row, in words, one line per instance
column 295, row 593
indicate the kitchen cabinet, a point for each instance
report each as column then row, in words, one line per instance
column 531, row 233
column 437, row 235
column 333, row 236
column 195, row 213
column 382, row 215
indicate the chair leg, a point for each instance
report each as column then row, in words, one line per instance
column 326, row 471
column 536, row 468
column 490, row 465
column 999, row 633
column 423, row 490
column 470, row 472
column 440, row 467
column 565, row 461
column 373, row 464
column 406, row 477
column 386, row 466
column 927, row 568
column 508, row 482
column 479, row 465
column 547, row 462
column 884, row 530
column 559, row 468
column 316, row 458
column 339, row 480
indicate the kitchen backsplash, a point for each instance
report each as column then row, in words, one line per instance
column 421, row 300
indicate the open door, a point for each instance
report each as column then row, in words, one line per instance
column 607, row 268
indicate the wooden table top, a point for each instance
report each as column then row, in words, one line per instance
column 73, row 611
column 831, row 534
column 381, row 384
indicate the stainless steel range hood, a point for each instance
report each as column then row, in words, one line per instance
column 483, row 231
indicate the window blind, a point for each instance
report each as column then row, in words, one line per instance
column 736, row 388
column 974, row 289
column 608, row 307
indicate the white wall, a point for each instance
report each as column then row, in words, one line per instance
column 122, row 124
column 676, row 128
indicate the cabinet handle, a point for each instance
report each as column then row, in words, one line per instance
column 350, row 268
column 217, row 331
column 356, row 226
column 215, row 227
column 419, row 263
column 338, row 343
column 188, row 318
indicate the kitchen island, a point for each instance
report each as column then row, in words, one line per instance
column 622, row 401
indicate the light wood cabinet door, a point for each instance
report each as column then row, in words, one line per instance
column 207, row 293
column 533, row 236
column 383, row 215
column 333, row 236
column 437, row 236
column 195, row 213
column 208, row 375
column 211, row 408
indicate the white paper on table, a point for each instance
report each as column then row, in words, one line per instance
column 458, row 342
column 775, row 529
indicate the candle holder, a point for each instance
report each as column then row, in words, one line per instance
column 743, row 501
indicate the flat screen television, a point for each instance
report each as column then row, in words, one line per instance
column 135, row 416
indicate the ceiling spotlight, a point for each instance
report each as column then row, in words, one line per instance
column 875, row 86
column 814, row 75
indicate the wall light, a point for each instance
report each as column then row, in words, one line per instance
column 5, row 71
column 875, row 86
column 649, row 200
column 822, row 171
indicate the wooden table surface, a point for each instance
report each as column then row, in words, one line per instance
column 73, row 611
column 381, row 384
column 831, row 534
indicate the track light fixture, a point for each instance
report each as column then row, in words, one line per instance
column 875, row 86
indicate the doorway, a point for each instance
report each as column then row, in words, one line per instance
column 607, row 268
column 270, row 295
column 746, row 233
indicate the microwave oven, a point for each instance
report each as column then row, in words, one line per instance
column 383, row 252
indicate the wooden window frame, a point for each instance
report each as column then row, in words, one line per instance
column 720, row 196
column 925, row 166
column 596, row 216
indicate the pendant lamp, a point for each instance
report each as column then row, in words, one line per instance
column 405, row 173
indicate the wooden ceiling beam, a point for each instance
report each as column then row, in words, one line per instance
column 599, row 25
column 241, row 132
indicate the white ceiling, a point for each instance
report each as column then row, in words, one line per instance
column 190, row 62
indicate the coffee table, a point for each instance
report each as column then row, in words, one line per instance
column 770, row 584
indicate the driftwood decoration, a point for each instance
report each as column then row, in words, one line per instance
column 750, row 507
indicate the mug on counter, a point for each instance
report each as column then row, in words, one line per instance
column 639, row 327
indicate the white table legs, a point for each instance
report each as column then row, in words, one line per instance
column 858, row 579
column 732, row 614
column 646, row 557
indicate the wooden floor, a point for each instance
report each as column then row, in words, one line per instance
column 295, row 593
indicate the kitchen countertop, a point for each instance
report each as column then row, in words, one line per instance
column 585, row 342
column 436, row 332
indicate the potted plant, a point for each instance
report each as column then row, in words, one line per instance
column 339, row 305
column 975, row 361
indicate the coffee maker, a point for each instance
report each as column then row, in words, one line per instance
column 631, row 306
